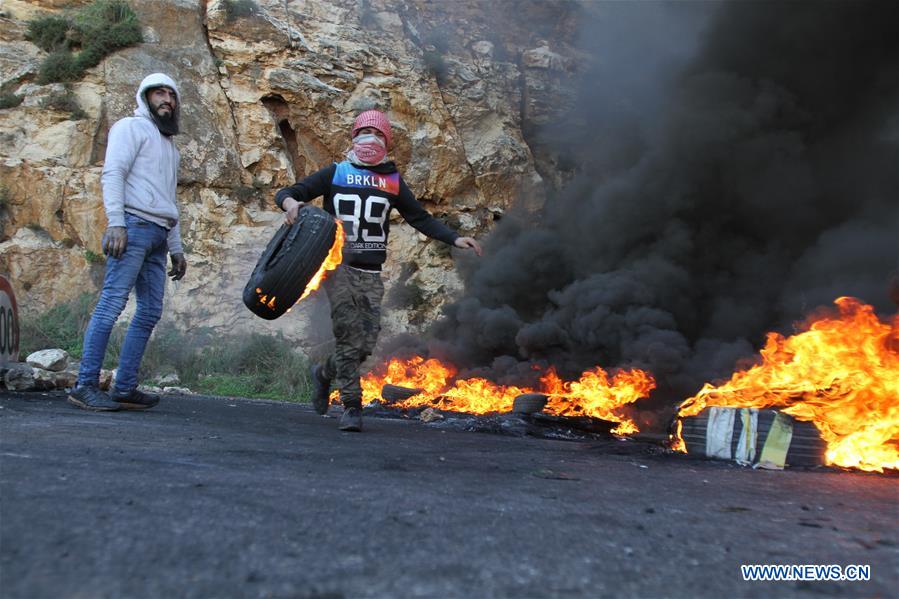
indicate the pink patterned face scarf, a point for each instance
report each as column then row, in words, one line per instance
column 369, row 149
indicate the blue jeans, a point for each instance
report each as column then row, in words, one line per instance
column 142, row 268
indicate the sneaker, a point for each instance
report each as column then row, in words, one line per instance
column 320, row 388
column 351, row 421
column 91, row 398
column 135, row 400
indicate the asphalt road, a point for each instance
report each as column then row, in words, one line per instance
column 211, row 497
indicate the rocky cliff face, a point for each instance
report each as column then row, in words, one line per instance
column 269, row 90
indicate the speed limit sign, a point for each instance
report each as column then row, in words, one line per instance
column 9, row 323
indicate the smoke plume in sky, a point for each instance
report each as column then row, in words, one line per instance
column 738, row 169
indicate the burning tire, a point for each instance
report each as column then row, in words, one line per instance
column 529, row 403
column 290, row 260
column 392, row 393
column 804, row 444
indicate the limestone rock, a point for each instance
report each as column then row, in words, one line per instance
column 65, row 379
column 107, row 379
column 44, row 379
column 49, row 359
column 43, row 272
column 268, row 98
column 19, row 377
column 544, row 58
column 169, row 379
column 177, row 390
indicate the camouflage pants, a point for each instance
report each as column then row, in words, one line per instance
column 355, row 297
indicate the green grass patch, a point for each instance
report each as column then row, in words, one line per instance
column 61, row 326
column 81, row 39
column 233, row 385
column 48, row 33
column 59, row 66
column 94, row 257
column 251, row 365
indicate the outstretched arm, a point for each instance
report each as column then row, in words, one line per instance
column 415, row 214
column 421, row 219
column 469, row 243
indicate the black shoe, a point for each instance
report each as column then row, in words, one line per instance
column 91, row 398
column 320, row 388
column 135, row 400
column 351, row 420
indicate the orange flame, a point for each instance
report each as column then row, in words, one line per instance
column 593, row 394
column 332, row 261
column 841, row 373
column 264, row 299
column 431, row 376
column 677, row 439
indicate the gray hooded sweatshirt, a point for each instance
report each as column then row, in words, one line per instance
column 140, row 173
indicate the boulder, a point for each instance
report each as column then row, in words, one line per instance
column 44, row 380
column 169, row 380
column 54, row 360
column 19, row 377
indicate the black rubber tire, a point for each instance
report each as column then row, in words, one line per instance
column 529, row 403
column 806, row 447
column 391, row 393
column 289, row 262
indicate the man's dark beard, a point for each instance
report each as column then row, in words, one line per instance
column 166, row 123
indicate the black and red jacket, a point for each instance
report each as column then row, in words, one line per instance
column 362, row 198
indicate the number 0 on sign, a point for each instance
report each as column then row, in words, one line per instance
column 9, row 323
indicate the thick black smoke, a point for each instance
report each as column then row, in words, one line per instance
column 717, row 200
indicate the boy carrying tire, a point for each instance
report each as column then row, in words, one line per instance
column 360, row 191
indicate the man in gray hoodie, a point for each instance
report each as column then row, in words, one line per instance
column 140, row 177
